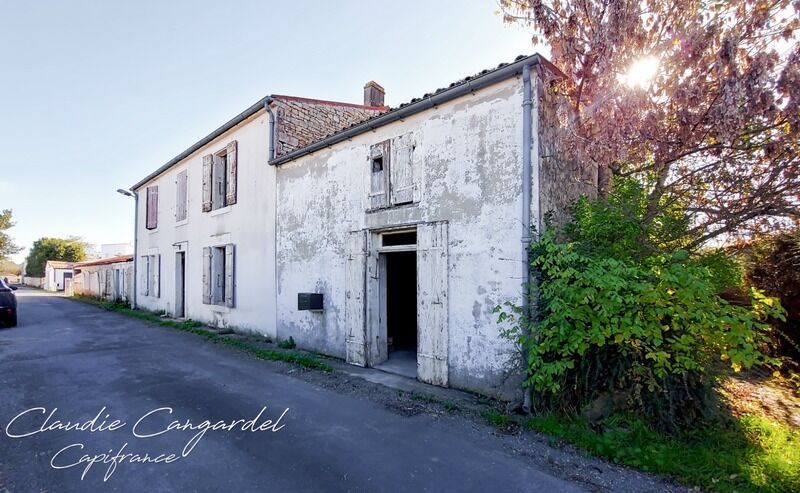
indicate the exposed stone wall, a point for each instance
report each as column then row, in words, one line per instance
column 563, row 178
column 301, row 122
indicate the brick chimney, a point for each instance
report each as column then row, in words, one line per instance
column 373, row 94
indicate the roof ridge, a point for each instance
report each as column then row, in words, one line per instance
column 327, row 101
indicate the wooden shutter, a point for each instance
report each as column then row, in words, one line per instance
column 208, row 162
column 354, row 305
column 207, row 275
column 181, row 208
column 379, row 175
column 156, row 266
column 144, row 275
column 229, row 277
column 402, row 183
column 152, row 207
column 230, row 184
column 432, row 307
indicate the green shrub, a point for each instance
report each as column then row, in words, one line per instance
column 288, row 343
column 625, row 315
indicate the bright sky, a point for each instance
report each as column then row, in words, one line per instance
column 96, row 94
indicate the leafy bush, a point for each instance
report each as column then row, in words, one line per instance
column 772, row 263
column 624, row 315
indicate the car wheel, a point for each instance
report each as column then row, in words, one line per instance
column 12, row 320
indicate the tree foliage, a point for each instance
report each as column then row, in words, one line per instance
column 7, row 246
column 9, row 267
column 44, row 249
column 772, row 264
column 717, row 125
column 642, row 319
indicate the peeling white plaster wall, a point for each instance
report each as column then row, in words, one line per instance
column 469, row 169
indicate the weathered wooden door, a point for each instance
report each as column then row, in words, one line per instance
column 432, row 307
column 355, row 287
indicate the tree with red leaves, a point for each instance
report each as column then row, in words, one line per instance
column 698, row 99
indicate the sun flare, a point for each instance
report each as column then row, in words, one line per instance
column 640, row 73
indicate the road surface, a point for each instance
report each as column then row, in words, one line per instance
column 76, row 361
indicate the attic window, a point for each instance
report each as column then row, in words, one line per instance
column 377, row 164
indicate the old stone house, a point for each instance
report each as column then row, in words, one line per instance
column 381, row 236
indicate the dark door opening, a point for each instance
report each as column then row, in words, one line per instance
column 180, row 285
column 401, row 310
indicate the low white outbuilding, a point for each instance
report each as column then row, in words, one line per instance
column 57, row 275
column 108, row 278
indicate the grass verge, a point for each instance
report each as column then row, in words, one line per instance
column 746, row 454
column 295, row 357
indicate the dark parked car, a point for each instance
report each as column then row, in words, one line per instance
column 8, row 304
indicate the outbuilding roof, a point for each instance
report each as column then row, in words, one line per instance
column 105, row 261
column 59, row 264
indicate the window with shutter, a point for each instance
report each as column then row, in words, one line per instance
column 379, row 169
column 152, row 207
column 218, row 179
column 181, row 206
column 218, row 275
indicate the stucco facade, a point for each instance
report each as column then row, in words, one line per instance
column 172, row 263
column 248, row 224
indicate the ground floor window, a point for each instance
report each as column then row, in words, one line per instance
column 218, row 275
column 150, row 267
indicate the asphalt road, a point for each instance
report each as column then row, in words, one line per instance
column 78, row 359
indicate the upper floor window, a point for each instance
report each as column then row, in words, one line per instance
column 392, row 173
column 152, row 207
column 219, row 178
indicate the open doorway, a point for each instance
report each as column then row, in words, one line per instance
column 180, row 284
column 398, row 264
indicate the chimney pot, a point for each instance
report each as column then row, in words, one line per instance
column 373, row 94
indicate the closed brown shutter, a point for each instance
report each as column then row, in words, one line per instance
column 208, row 162
column 152, row 207
column 231, row 158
